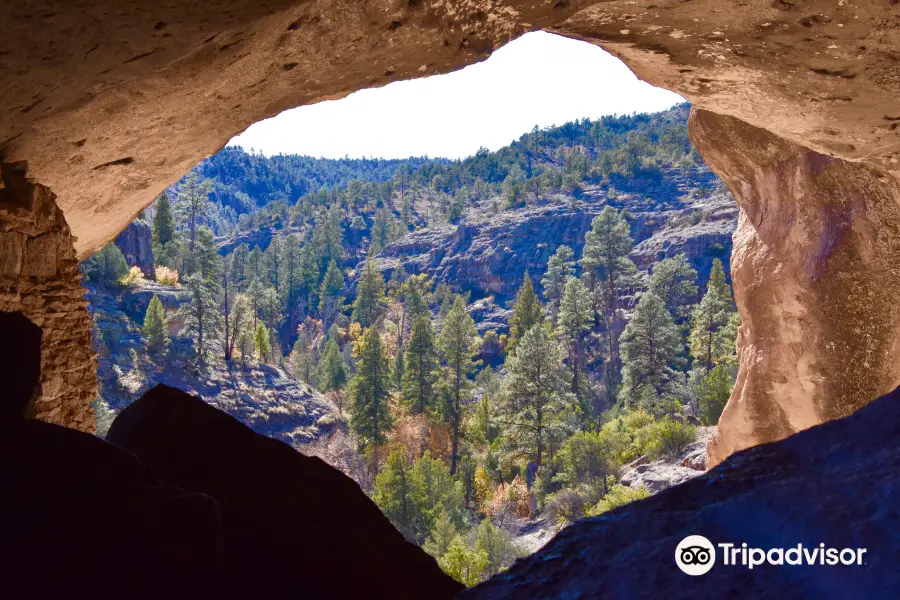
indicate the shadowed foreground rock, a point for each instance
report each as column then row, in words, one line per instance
column 81, row 518
column 294, row 526
column 837, row 484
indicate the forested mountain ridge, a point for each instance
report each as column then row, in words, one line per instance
column 241, row 182
column 491, row 254
column 499, row 339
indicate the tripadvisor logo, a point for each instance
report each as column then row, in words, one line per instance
column 696, row 555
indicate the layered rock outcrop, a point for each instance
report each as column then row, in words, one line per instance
column 815, row 278
column 489, row 255
column 136, row 243
column 39, row 277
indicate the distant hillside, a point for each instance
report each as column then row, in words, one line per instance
column 243, row 182
column 477, row 224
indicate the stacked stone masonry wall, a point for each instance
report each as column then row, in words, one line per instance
column 39, row 276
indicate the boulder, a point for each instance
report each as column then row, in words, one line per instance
column 294, row 526
column 136, row 243
column 138, row 299
column 657, row 476
column 835, row 484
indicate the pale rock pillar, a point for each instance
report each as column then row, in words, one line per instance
column 816, row 274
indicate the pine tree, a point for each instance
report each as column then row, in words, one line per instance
column 191, row 208
column 498, row 546
column 239, row 274
column 714, row 392
column 202, row 317
column 269, row 307
column 420, row 368
column 370, row 417
column 381, row 231
column 333, row 369
column 465, row 475
column 261, row 343
column 155, row 326
column 370, row 298
column 397, row 495
column 106, row 266
column 458, row 344
column 711, row 340
column 272, row 263
column 560, row 267
column 575, row 320
column 254, row 266
column 674, row 280
column 440, row 493
column 209, row 263
column 458, row 204
column 441, row 536
column 330, row 301
column 327, row 236
column 463, row 565
column 651, row 345
column 535, row 399
column 291, row 279
column 608, row 271
column 399, row 370
column 414, row 292
column 526, row 314
column 164, row 232
column 239, row 324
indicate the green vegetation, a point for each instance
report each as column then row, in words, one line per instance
column 602, row 364
column 105, row 267
column 155, row 326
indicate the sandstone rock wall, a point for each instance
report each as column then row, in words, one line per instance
column 112, row 104
column 136, row 243
column 816, row 279
column 39, row 276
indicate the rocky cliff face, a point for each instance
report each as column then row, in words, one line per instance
column 265, row 398
column 136, row 243
column 816, row 281
column 489, row 255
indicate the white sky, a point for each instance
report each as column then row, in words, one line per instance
column 539, row 79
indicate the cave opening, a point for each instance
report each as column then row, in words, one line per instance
column 252, row 283
column 794, row 112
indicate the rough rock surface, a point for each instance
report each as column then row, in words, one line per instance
column 816, row 281
column 490, row 255
column 294, row 526
column 657, row 476
column 264, row 397
column 832, row 484
column 663, row 473
column 111, row 105
column 136, row 243
column 39, row 276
